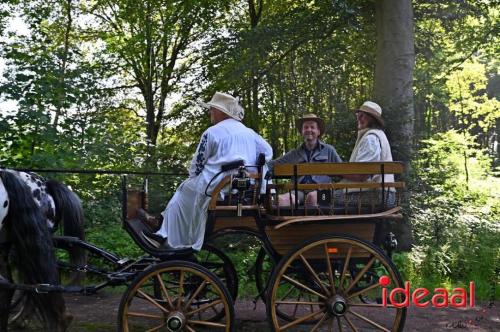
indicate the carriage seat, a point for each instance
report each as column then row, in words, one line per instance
column 342, row 198
column 134, row 225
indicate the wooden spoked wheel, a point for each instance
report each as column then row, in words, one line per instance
column 176, row 296
column 332, row 283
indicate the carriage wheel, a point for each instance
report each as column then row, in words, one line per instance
column 221, row 265
column 189, row 298
column 320, row 284
column 264, row 265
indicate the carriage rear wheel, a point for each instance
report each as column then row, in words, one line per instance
column 320, row 284
column 264, row 265
column 176, row 296
column 221, row 265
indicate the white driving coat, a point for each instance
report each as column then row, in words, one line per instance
column 184, row 218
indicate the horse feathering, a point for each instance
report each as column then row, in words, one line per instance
column 27, row 230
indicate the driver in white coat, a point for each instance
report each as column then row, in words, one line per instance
column 228, row 140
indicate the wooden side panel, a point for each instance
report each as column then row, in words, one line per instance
column 285, row 238
column 234, row 222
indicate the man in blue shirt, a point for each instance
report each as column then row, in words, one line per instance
column 313, row 150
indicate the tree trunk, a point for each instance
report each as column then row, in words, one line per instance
column 62, row 86
column 393, row 88
column 394, row 72
column 255, row 13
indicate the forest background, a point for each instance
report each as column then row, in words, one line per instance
column 113, row 85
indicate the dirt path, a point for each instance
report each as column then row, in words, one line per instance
column 98, row 313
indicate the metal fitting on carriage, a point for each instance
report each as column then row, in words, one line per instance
column 43, row 288
column 390, row 243
column 241, row 181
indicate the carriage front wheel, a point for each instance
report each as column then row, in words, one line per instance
column 176, row 296
column 333, row 282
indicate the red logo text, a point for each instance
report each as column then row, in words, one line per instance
column 440, row 297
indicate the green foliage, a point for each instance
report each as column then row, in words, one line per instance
column 242, row 249
column 448, row 160
column 469, row 101
column 104, row 229
column 455, row 216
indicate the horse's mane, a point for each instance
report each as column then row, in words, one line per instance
column 33, row 250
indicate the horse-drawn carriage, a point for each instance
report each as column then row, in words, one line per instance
column 320, row 267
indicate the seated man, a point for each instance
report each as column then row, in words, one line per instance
column 313, row 150
column 371, row 146
column 184, row 218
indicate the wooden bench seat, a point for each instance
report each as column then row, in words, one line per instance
column 341, row 195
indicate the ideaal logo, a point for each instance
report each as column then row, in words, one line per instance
column 439, row 298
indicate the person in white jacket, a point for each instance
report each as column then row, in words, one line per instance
column 371, row 146
column 228, row 140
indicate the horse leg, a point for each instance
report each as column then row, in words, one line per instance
column 5, row 294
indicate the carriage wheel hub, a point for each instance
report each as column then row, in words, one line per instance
column 337, row 305
column 176, row 321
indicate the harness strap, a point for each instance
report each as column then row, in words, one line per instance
column 40, row 288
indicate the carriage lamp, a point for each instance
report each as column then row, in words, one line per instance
column 240, row 183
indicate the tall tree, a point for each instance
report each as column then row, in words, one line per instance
column 394, row 65
column 46, row 78
column 153, row 46
column 393, row 87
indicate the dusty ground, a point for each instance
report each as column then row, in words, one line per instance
column 99, row 313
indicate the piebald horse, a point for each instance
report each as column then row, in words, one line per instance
column 31, row 208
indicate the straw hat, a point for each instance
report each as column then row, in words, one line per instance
column 226, row 104
column 310, row 117
column 373, row 109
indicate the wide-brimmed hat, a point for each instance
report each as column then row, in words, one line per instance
column 226, row 104
column 372, row 109
column 310, row 117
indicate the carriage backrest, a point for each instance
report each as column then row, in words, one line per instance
column 337, row 169
column 135, row 199
column 338, row 197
